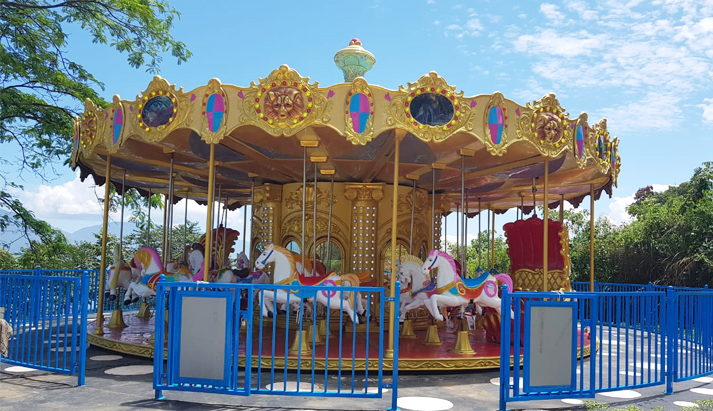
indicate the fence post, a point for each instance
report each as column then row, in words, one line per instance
column 395, row 360
column 671, row 340
column 83, row 328
column 159, row 319
column 650, row 287
column 596, row 286
column 505, row 348
column 38, row 270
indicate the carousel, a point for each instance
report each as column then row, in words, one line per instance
column 353, row 179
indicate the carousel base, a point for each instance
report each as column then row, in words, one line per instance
column 413, row 354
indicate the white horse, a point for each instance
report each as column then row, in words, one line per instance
column 453, row 291
column 147, row 286
column 121, row 275
column 415, row 287
column 285, row 272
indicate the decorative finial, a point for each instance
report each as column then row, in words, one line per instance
column 354, row 61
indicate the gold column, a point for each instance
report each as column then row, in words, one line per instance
column 209, row 214
column 394, row 223
column 545, row 218
column 99, row 329
column 562, row 209
column 365, row 199
column 591, row 238
column 268, row 199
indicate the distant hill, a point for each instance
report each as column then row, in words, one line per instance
column 84, row 234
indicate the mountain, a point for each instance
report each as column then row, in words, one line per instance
column 18, row 241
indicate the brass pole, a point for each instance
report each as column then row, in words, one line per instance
column 314, row 223
column 487, row 231
column 225, row 233
column 148, row 227
column 99, row 329
column 562, row 209
column 169, row 219
column 591, row 238
column 329, row 225
column 413, row 211
column 121, row 227
column 185, row 229
column 394, row 217
column 209, row 213
column 480, row 213
column 245, row 226
column 545, row 219
column 522, row 207
column 464, row 267
column 492, row 242
column 433, row 208
column 216, row 220
column 304, row 209
column 445, row 232
column 165, row 218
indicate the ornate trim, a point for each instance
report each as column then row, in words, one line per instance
column 588, row 136
column 294, row 200
column 159, row 87
column 89, row 134
column 284, row 103
column 546, row 126
column 293, row 226
column 268, row 192
column 615, row 161
column 113, row 146
column 359, row 86
column 406, row 199
column 601, row 146
column 399, row 111
column 364, row 192
column 212, row 137
column 496, row 100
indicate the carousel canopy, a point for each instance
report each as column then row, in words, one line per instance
column 349, row 129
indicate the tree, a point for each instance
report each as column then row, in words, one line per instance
column 7, row 260
column 42, row 89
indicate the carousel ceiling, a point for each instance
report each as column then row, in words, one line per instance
column 259, row 133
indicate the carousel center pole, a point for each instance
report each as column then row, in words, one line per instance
column 591, row 238
column 394, row 217
column 99, row 329
column 480, row 244
column 329, row 221
column 304, row 209
column 209, row 213
column 545, row 219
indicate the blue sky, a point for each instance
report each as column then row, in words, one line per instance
column 645, row 66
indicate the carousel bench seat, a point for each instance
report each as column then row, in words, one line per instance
column 525, row 249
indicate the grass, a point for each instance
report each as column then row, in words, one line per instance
column 703, row 405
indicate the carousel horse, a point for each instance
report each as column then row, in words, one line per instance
column 147, row 286
column 416, row 288
column 121, row 275
column 286, row 273
column 147, row 261
column 453, row 291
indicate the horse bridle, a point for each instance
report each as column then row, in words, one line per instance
column 433, row 263
column 264, row 262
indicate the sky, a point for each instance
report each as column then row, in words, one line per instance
column 644, row 65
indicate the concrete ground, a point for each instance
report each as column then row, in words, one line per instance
column 37, row 390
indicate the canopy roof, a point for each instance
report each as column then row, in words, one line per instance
column 258, row 132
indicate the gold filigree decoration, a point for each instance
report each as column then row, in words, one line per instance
column 363, row 192
column 88, row 126
column 403, row 230
column 405, row 201
column 294, row 201
column 583, row 154
column 546, row 125
column 284, row 103
column 153, row 126
column 399, row 109
column 268, row 192
column 213, row 136
column 293, row 226
column 356, row 136
column 600, row 147
column 75, row 140
column 495, row 148
column 526, row 279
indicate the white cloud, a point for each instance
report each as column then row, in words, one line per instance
column 707, row 107
column 473, row 27
column 581, row 8
column 551, row 11
column 430, row 2
column 655, row 111
column 618, row 206
column 550, row 42
column 436, row 22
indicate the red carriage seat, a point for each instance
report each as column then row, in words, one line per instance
column 525, row 248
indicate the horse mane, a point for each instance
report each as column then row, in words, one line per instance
column 288, row 254
column 448, row 258
column 306, row 265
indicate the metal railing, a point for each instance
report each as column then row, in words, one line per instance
column 48, row 316
column 291, row 351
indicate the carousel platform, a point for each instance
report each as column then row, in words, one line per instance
column 355, row 350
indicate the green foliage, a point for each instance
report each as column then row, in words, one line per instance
column 7, row 260
column 42, row 89
column 482, row 246
column 142, row 237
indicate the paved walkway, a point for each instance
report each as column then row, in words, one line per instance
column 107, row 391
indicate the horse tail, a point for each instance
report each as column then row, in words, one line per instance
column 505, row 279
column 353, row 282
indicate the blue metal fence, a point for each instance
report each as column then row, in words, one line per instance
column 637, row 339
column 93, row 287
column 261, row 350
column 583, row 286
column 48, row 316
